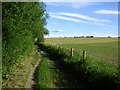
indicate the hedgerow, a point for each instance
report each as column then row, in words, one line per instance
column 22, row 23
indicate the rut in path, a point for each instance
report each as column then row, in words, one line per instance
column 30, row 81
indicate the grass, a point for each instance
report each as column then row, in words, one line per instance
column 98, row 48
column 94, row 73
column 19, row 76
column 79, row 40
column 45, row 75
column 51, row 74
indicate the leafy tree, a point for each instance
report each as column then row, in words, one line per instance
column 22, row 22
column 46, row 32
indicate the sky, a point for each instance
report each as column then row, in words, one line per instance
column 69, row 19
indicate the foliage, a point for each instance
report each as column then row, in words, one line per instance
column 22, row 22
column 54, row 53
column 19, row 77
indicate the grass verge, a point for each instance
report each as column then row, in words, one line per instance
column 19, row 77
column 45, row 74
column 51, row 74
column 96, row 74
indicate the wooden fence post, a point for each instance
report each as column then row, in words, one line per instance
column 71, row 53
column 84, row 54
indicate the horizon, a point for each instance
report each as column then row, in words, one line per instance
column 80, row 36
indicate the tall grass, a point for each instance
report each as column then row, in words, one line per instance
column 97, row 74
column 45, row 74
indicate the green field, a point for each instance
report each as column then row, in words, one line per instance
column 98, row 48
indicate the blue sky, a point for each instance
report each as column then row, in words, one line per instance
column 82, row 18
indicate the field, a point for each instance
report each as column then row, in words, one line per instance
column 92, row 71
column 98, row 48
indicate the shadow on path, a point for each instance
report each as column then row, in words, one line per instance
column 68, row 79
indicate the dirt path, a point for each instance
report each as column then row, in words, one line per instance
column 19, row 75
column 30, row 81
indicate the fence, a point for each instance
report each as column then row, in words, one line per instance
column 79, row 53
column 84, row 53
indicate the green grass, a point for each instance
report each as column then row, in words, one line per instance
column 44, row 75
column 95, row 73
column 98, row 48
column 79, row 40
column 51, row 74
column 19, row 75
column 96, row 70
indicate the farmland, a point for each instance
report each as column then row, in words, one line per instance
column 91, row 72
column 98, row 48
column 30, row 62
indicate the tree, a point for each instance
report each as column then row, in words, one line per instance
column 46, row 32
column 22, row 22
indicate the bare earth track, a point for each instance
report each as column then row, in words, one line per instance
column 30, row 81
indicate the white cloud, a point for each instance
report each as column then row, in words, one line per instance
column 83, row 17
column 66, row 18
column 107, row 12
column 77, row 18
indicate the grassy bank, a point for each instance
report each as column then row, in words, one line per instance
column 19, row 76
column 52, row 74
column 95, row 73
column 45, row 75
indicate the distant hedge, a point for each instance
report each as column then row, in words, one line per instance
column 22, row 23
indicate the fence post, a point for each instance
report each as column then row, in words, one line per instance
column 84, row 54
column 71, row 53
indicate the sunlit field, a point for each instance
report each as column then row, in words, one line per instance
column 98, row 48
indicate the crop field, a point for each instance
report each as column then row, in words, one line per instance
column 98, row 48
column 92, row 72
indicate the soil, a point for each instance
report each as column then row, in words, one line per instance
column 30, row 81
